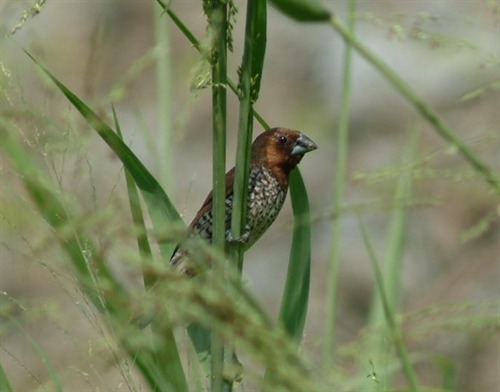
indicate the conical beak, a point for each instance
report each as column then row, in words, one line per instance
column 302, row 145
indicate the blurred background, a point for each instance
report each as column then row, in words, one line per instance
column 106, row 52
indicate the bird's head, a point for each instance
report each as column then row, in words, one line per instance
column 281, row 149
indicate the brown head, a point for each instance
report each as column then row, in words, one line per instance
column 281, row 150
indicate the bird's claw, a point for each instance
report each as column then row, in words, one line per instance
column 243, row 239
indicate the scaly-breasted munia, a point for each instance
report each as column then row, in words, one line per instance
column 275, row 153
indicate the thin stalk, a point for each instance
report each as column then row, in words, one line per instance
column 42, row 354
column 217, row 16
column 340, row 179
column 420, row 105
column 393, row 327
column 392, row 264
column 397, row 233
column 164, row 101
column 196, row 44
column 251, row 65
column 137, row 216
column 240, row 190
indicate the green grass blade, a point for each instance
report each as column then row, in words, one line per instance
column 164, row 89
column 251, row 73
column 342, row 147
column 166, row 356
column 394, row 329
column 137, row 215
column 255, row 43
column 217, row 13
column 393, row 262
column 448, row 374
column 74, row 242
column 4, row 380
column 295, row 299
column 249, row 85
column 50, row 207
column 43, row 356
column 162, row 211
column 392, row 265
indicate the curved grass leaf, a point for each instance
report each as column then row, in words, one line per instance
column 165, row 357
column 295, row 299
column 53, row 211
column 393, row 326
column 166, row 375
column 77, row 246
column 137, row 215
column 161, row 210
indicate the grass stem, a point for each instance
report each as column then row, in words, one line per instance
column 340, row 180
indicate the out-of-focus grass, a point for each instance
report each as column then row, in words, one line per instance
column 226, row 306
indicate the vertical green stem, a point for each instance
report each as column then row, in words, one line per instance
column 216, row 11
column 251, row 66
column 393, row 327
column 244, row 134
column 196, row 44
column 397, row 233
column 340, row 179
column 163, row 85
column 392, row 265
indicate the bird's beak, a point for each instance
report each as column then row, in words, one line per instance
column 302, row 145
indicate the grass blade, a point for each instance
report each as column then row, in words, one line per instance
column 216, row 11
column 43, row 356
column 4, row 380
column 137, row 215
column 76, row 244
column 164, row 93
column 251, row 73
column 397, row 233
column 394, row 329
column 52, row 209
column 165, row 357
column 163, row 215
column 342, row 146
column 162, row 211
column 295, row 298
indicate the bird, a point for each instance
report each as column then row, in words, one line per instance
column 274, row 154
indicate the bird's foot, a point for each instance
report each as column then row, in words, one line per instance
column 243, row 239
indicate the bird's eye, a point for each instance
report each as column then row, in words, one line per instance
column 282, row 139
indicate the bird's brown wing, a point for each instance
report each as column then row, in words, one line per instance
column 207, row 204
column 205, row 208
